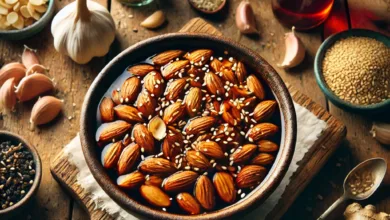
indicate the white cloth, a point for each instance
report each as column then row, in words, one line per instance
column 309, row 128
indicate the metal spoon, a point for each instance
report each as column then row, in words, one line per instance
column 376, row 166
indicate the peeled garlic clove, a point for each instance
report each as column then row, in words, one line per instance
column 295, row 52
column 381, row 132
column 29, row 57
column 7, row 95
column 45, row 110
column 155, row 20
column 32, row 86
column 12, row 70
column 36, row 68
column 157, row 127
column 245, row 18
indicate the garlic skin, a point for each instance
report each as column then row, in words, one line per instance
column 7, row 95
column 381, row 132
column 32, row 86
column 295, row 51
column 45, row 110
column 83, row 30
column 12, row 70
column 155, row 20
column 245, row 18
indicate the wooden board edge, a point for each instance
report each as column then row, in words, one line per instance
column 198, row 25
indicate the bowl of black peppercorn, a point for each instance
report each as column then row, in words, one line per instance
column 20, row 173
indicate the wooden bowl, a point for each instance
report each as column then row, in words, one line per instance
column 146, row 48
column 16, row 139
column 206, row 11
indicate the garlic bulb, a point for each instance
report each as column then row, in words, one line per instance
column 82, row 30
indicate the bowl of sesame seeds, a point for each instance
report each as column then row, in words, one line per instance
column 20, row 173
column 352, row 69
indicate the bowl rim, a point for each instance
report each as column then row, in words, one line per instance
column 208, row 12
column 38, row 172
column 329, row 42
column 288, row 120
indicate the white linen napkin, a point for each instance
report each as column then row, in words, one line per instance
column 309, row 128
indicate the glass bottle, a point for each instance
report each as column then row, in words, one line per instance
column 135, row 3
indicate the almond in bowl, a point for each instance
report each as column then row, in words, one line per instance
column 188, row 132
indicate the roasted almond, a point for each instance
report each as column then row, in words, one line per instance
column 193, row 101
column 216, row 65
column 146, row 104
column 263, row 159
column 143, row 138
column 214, row 84
column 131, row 180
column 140, row 69
column 154, row 83
column 116, row 96
column 243, row 154
column 166, row 56
column 197, row 160
column 227, row 136
column 175, row 89
column 254, row 85
column 174, row 112
column 127, row 159
column 205, row 193
column 228, row 75
column 241, row 92
column 199, row 56
column 172, row 144
column 107, row 109
column 241, row 72
column 130, row 89
column 200, row 124
column 180, row 181
column 155, row 196
column 210, row 149
column 153, row 180
column 112, row 131
column 261, row 131
column 264, row 110
column 111, row 154
column 174, row 68
column 128, row 113
column 250, row 176
column 188, row 203
column 228, row 118
column 158, row 166
column 249, row 102
column 266, row 146
column 224, row 185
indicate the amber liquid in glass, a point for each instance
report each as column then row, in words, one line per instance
column 303, row 14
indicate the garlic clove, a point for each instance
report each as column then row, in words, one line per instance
column 29, row 57
column 32, row 86
column 12, row 70
column 295, row 51
column 157, row 127
column 245, row 18
column 45, row 110
column 7, row 95
column 155, row 20
column 381, row 132
column 36, row 68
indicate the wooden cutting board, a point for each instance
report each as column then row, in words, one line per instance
column 65, row 173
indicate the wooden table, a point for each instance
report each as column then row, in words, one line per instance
column 73, row 81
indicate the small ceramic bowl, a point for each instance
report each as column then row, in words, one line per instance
column 31, row 30
column 206, row 11
column 365, row 109
column 15, row 140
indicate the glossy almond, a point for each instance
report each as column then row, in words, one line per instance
column 131, row 180
column 255, row 86
column 214, row 84
column 261, row 131
column 128, row 113
column 140, row 69
column 144, row 138
column 146, row 104
column 32, row 86
column 127, row 159
column 243, row 154
column 158, row 166
column 200, row 124
column 204, row 192
column 106, row 109
column 155, row 196
column 201, row 55
column 172, row 144
column 172, row 69
column 228, row 75
column 112, row 154
column 263, row 159
column 130, row 89
column 241, row 72
column 174, row 112
column 175, row 89
column 116, row 97
column 224, row 185
column 267, row 146
column 112, row 131
column 250, row 176
column 211, row 149
column 216, row 65
column 180, row 181
column 264, row 110
column 197, row 160
column 12, row 70
column 153, row 180
column 166, row 56
column 154, row 83
column 193, row 101
column 188, row 203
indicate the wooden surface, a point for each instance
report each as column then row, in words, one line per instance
column 327, row 143
column 73, row 81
